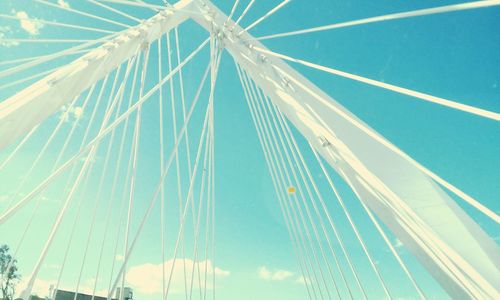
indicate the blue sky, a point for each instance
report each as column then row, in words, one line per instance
column 454, row 56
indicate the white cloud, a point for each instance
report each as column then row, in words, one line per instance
column 63, row 3
column 77, row 112
column 54, row 266
column 277, row 275
column 147, row 278
column 282, row 275
column 264, row 273
column 31, row 26
column 43, row 287
column 398, row 243
column 91, row 159
column 40, row 288
column 3, row 31
column 71, row 113
column 301, row 280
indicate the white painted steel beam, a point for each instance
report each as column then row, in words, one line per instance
column 29, row 107
column 455, row 250
column 460, row 255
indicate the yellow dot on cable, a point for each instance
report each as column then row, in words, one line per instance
column 291, row 190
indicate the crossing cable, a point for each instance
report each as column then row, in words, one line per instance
column 162, row 163
column 18, row 147
column 412, row 93
column 301, row 242
column 229, row 17
column 53, row 56
column 281, row 117
column 303, row 219
column 28, row 78
column 169, row 161
column 214, row 67
column 44, row 41
column 274, row 176
column 113, row 188
column 78, row 12
column 243, row 14
column 37, row 205
column 84, row 139
column 211, row 215
column 119, row 95
column 186, row 138
column 358, row 235
column 183, row 102
column 295, row 151
column 281, row 131
column 58, row 24
column 153, row 7
column 212, row 193
column 115, row 11
column 213, row 212
column 441, row 253
column 96, row 140
column 177, row 164
column 470, row 200
column 133, row 158
column 307, row 218
column 393, row 251
column 99, row 191
column 74, row 126
column 154, row 198
column 38, row 202
column 215, row 58
column 87, row 175
column 325, row 209
column 123, row 206
column 389, row 17
column 61, row 152
column 203, row 188
column 32, row 58
column 27, row 292
column 84, row 185
column 391, row 248
column 127, row 185
column 40, row 155
column 55, row 227
column 73, row 170
column 91, row 157
column 183, row 130
column 284, row 183
column 136, row 139
column 267, row 15
column 73, row 227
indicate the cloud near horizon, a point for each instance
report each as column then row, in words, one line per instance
column 30, row 25
column 69, row 113
column 42, row 287
column 276, row 275
column 63, row 4
column 147, row 278
column 280, row 275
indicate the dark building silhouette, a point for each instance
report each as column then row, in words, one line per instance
column 68, row 295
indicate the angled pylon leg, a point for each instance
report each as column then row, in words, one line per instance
column 455, row 250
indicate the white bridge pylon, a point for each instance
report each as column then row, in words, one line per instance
column 454, row 249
